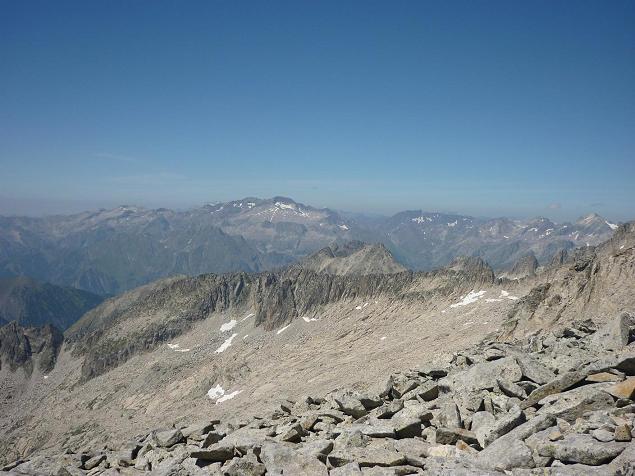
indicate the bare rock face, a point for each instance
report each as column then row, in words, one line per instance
column 28, row 347
column 524, row 267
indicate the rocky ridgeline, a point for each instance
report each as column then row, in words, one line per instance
column 556, row 403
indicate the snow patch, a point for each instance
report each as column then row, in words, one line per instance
column 218, row 394
column 359, row 308
column 502, row 296
column 225, row 345
column 383, row 338
column 228, row 326
column 215, row 392
column 284, row 206
column 343, row 227
column 280, row 331
column 173, row 346
column 247, row 317
column 612, row 226
column 229, row 396
column 469, row 298
column 307, row 319
column 452, row 224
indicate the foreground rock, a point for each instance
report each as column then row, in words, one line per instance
column 556, row 404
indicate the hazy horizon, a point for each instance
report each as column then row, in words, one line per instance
column 43, row 208
column 486, row 109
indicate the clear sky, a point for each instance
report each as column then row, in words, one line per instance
column 481, row 107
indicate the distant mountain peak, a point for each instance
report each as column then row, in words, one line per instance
column 589, row 219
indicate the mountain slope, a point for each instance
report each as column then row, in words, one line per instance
column 31, row 303
column 154, row 354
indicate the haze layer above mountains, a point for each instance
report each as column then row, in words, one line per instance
column 111, row 251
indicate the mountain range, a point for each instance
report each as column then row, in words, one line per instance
column 111, row 251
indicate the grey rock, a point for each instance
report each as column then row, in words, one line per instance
column 197, row 431
column 433, row 371
column 623, row 433
column 449, row 436
column 352, row 439
column 367, row 456
column 482, row 376
column 574, row 403
column 292, row 433
column 503, row 425
column 316, row 448
column 428, row 390
column 482, row 423
column 450, row 415
column 626, row 364
column 575, row 448
column 374, row 428
column 389, row 409
column 281, row 459
column 515, row 454
column 211, row 438
column 350, row 405
column 402, row 386
column 614, row 335
column 499, row 447
column 245, row 466
column 624, row 464
column 412, row 447
column 168, row 438
column 400, row 470
column 350, row 469
column 511, row 389
column 602, row 435
column 564, row 382
column 406, row 427
column 219, row 452
column 370, row 401
column 94, row 461
column 245, row 439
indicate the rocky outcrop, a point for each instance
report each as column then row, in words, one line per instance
column 352, row 257
column 524, row 267
column 27, row 347
column 556, row 403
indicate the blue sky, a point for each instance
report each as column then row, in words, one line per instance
column 480, row 107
